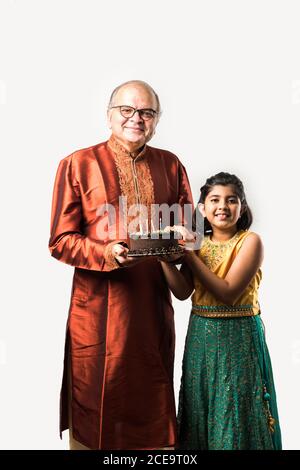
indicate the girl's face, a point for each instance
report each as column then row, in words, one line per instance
column 222, row 207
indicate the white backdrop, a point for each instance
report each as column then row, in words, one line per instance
column 228, row 75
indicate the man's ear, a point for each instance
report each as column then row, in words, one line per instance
column 202, row 209
column 108, row 118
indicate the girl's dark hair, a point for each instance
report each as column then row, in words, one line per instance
column 225, row 179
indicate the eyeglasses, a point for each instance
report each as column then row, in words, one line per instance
column 129, row 111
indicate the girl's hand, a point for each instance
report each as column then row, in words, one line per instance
column 192, row 240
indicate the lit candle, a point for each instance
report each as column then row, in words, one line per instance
column 152, row 226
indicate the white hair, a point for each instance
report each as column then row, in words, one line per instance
column 134, row 82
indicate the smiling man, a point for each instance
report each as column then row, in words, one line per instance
column 133, row 125
column 117, row 390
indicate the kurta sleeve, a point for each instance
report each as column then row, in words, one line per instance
column 67, row 241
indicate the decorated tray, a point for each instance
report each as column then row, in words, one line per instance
column 162, row 251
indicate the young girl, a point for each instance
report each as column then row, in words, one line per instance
column 227, row 398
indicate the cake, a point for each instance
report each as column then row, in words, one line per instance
column 159, row 242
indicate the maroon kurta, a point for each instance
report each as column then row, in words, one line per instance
column 120, row 330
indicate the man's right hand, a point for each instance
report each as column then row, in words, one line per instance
column 120, row 253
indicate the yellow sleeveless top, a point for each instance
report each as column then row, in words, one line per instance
column 218, row 257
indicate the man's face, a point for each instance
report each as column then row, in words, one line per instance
column 133, row 132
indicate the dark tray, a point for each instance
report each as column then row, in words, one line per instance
column 156, row 252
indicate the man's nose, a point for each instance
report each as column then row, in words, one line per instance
column 136, row 117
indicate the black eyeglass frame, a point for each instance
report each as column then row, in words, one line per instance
column 135, row 110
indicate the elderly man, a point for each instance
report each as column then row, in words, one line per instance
column 117, row 390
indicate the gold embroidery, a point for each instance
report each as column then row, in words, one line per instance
column 123, row 164
column 134, row 177
column 228, row 314
column 145, row 183
column 214, row 253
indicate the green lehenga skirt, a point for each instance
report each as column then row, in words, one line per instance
column 227, row 398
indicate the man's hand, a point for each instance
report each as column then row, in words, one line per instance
column 120, row 253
